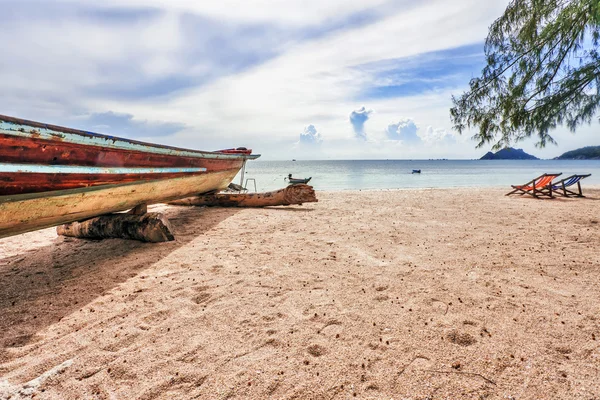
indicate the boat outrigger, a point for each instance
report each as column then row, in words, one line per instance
column 51, row 175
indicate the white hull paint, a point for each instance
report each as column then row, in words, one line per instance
column 29, row 212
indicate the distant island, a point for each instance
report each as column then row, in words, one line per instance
column 584, row 153
column 508, row 154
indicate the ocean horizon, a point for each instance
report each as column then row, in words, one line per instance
column 397, row 174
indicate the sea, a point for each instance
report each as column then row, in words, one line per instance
column 335, row 175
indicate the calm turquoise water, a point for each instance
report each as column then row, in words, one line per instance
column 396, row 174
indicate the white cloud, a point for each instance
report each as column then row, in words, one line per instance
column 405, row 130
column 310, row 136
column 285, row 12
column 358, row 119
column 50, row 68
column 438, row 136
column 316, row 77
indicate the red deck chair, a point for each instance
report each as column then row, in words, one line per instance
column 540, row 186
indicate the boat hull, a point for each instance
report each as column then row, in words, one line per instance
column 21, row 183
column 294, row 181
column 28, row 212
column 57, row 158
column 52, row 149
column 51, row 175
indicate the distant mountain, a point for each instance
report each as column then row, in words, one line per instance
column 584, row 153
column 508, row 154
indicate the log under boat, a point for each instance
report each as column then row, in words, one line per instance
column 50, row 175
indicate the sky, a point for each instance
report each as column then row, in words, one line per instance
column 303, row 79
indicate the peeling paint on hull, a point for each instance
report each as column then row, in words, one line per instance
column 46, row 148
column 29, row 212
column 34, row 150
column 22, row 183
column 50, row 175
column 20, row 128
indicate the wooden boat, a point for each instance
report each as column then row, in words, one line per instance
column 50, row 175
column 296, row 181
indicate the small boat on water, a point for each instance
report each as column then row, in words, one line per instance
column 51, row 175
column 416, row 171
column 296, row 181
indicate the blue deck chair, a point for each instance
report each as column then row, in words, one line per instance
column 561, row 186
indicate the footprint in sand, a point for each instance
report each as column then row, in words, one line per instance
column 156, row 317
column 18, row 341
column 461, row 338
column 332, row 327
column 119, row 372
column 316, row 350
column 122, row 342
column 273, row 317
column 216, row 268
column 201, row 298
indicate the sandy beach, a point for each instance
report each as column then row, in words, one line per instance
column 412, row 294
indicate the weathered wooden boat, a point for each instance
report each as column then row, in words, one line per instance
column 296, row 181
column 50, row 175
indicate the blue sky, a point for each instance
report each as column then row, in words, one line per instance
column 290, row 78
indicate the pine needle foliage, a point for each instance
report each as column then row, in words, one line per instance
column 543, row 70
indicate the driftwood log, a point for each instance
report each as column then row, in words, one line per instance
column 149, row 227
column 293, row 194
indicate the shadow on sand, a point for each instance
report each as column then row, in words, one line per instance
column 292, row 209
column 40, row 287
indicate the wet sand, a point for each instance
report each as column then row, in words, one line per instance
column 413, row 294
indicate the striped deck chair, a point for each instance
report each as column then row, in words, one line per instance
column 561, row 186
column 540, row 186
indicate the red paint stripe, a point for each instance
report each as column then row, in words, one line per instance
column 63, row 129
column 12, row 183
column 239, row 150
column 15, row 149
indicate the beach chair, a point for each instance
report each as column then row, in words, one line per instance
column 540, row 186
column 561, row 186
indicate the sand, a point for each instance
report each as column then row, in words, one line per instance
column 414, row 294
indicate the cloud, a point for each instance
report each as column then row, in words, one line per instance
column 437, row 136
column 292, row 12
column 126, row 125
column 242, row 73
column 425, row 72
column 310, row 136
column 405, row 130
column 358, row 119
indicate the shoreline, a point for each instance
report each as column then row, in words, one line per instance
column 454, row 293
column 497, row 187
